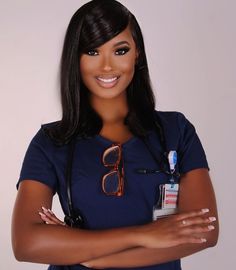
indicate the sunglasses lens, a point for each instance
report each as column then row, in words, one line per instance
column 111, row 156
column 111, row 182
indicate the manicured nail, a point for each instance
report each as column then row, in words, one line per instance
column 44, row 209
column 42, row 215
column 203, row 240
column 212, row 218
column 50, row 211
column 205, row 210
column 210, row 227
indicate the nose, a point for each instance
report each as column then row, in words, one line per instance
column 106, row 63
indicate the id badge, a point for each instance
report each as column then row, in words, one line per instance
column 167, row 204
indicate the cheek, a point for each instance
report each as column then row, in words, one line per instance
column 86, row 67
column 127, row 66
column 86, row 70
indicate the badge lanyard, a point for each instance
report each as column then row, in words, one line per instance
column 167, row 203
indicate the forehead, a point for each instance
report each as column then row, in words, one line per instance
column 121, row 38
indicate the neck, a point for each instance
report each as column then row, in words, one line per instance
column 112, row 111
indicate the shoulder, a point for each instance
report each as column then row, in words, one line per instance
column 40, row 159
column 50, row 124
column 180, row 135
column 169, row 115
column 176, row 127
column 41, row 138
column 171, row 119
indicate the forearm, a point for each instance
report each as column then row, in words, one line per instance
column 163, row 240
column 141, row 257
column 41, row 243
column 138, row 257
column 34, row 241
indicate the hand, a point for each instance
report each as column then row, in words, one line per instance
column 176, row 230
column 50, row 218
column 165, row 232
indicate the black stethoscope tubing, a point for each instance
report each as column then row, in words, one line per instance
column 74, row 217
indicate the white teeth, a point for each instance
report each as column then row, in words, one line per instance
column 107, row 80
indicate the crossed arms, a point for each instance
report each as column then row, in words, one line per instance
column 157, row 242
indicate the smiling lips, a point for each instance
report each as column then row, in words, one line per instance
column 107, row 82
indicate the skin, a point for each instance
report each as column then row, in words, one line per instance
column 111, row 60
column 164, row 240
column 200, row 183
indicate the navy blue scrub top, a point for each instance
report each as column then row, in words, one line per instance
column 45, row 162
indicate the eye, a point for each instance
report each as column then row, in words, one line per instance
column 122, row 51
column 92, row 52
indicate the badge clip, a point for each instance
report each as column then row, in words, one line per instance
column 172, row 158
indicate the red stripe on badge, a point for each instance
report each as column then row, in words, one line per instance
column 170, row 202
column 171, row 195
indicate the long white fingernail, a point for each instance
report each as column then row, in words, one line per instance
column 212, row 218
column 44, row 209
column 42, row 215
column 210, row 227
column 205, row 210
column 50, row 211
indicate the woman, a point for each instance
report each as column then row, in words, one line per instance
column 111, row 145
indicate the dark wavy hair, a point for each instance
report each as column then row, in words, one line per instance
column 91, row 26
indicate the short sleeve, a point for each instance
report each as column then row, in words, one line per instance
column 191, row 153
column 37, row 164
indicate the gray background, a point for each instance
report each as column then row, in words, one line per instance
column 191, row 53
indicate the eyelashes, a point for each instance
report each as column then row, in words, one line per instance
column 120, row 51
column 91, row 52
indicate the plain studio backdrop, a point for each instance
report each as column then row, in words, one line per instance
column 191, row 52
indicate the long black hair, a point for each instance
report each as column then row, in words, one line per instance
column 91, row 26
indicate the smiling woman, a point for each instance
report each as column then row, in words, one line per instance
column 120, row 168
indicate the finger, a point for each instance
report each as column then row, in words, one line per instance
column 192, row 214
column 49, row 220
column 193, row 240
column 48, row 212
column 196, row 229
column 54, row 219
column 46, row 219
column 52, row 216
column 86, row 264
column 196, row 221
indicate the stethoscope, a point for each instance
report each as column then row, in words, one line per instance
column 74, row 218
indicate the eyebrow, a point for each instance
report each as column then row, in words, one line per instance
column 121, row 43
